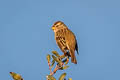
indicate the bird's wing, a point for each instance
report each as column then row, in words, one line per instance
column 71, row 42
column 70, row 39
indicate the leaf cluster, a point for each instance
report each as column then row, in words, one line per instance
column 61, row 64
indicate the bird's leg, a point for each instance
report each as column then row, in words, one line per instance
column 60, row 58
column 66, row 56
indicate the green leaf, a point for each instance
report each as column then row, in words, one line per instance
column 48, row 58
column 56, row 53
column 62, row 76
column 56, row 59
column 53, row 62
column 49, row 77
column 16, row 76
column 65, row 67
column 70, row 79
column 62, row 56
column 66, row 60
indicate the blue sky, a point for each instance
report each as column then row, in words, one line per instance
column 26, row 37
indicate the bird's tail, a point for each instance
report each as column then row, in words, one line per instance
column 73, row 58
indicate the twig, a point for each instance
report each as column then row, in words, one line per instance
column 56, row 68
column 49, row 67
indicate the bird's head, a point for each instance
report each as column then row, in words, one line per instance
column 58, row 25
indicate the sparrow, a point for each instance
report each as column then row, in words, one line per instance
column 66, row 40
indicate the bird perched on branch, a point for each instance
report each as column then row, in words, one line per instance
column 66, row 40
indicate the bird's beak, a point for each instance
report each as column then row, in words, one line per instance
column 53, row 28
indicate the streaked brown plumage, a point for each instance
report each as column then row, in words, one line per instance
column 66, row 40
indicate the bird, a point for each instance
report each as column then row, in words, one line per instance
column 66, row 40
